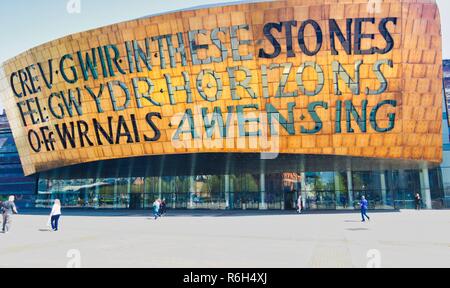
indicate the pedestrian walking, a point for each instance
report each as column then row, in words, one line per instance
column 418, row 201
column 300, row 204
column 156, row 207
column 55, row 215
column 8, row 209
column 162, row 208
column 344, row 201
column 364, row 207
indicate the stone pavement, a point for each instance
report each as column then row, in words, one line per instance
column 229, row 239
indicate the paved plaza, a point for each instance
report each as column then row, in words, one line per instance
column 230, row 239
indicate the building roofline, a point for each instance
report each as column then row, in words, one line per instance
column 205, row 6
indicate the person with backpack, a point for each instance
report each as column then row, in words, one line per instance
column 8, row 209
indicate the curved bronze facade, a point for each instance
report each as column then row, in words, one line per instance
column 324, row 77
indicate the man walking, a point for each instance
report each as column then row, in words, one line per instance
column 162, row 208
column 364, row 207
column 8, row 209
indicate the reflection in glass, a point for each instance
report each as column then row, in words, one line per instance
column 279, row 191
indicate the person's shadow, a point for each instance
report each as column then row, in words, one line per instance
column 45, row 230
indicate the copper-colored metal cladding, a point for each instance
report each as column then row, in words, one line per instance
column 415, row 81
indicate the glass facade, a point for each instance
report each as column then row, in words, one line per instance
column 445, row 167
column 12, row 180
column 320, row 190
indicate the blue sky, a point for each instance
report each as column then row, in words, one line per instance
column 28, row 23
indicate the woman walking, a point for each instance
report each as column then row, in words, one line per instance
column 156, row 207
column 55, row 215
